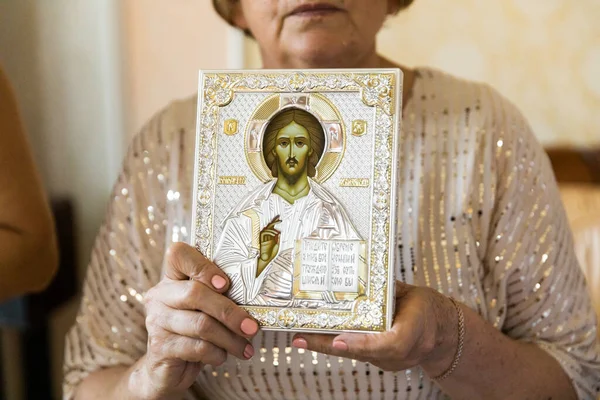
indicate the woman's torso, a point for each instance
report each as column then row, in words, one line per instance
column 446, row 194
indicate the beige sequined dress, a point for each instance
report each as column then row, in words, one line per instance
column 481, row 220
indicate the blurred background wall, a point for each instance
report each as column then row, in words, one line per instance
column 89, row 73
column 62, row 58
column 165, row 43
column 542, row 54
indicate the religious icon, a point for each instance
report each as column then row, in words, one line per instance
column 256, row 248
column 304, row 250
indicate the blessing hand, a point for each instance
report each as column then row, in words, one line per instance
column 269, row 244
column 424, row 332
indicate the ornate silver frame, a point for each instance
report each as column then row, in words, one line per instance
column 380, row 89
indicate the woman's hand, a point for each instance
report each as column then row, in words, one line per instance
column 190, row 323
column 424, row 332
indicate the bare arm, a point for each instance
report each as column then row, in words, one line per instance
column 28, row 253
column 494, row 366
column 114, row 383
column 109, row 383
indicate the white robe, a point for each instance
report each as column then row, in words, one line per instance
column 316, row 215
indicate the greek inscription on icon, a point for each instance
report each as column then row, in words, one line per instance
column 298, row 100
column 232, row 180
column 334, row 132
column 355, row 182
column 230, row 127
column 359, row 127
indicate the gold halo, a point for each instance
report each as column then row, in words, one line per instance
column 318, row 105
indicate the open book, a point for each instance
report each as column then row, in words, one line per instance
column 337, row 266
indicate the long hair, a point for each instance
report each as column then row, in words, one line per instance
column 308, row 122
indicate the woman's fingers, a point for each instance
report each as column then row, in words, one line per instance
column 198, row 325
column 196, row 296
column 185, row 262
column 358, row 346
column 184, row 348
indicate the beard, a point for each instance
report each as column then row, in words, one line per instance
column 283, row 171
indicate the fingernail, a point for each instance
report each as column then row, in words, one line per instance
column 218, row 282
column 339, row 345
column 249, row 326
column 248, row 351
column 300, row 343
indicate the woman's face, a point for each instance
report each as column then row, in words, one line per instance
column 313, row 33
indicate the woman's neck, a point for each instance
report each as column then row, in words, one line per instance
column 315, row 61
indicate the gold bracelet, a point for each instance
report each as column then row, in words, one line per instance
column 461, row 342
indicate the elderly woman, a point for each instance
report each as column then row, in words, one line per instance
column 496, row 307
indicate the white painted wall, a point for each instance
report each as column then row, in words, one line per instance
column 166, row 42
column 63, row 58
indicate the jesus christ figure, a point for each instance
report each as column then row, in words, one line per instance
column 256, row 248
